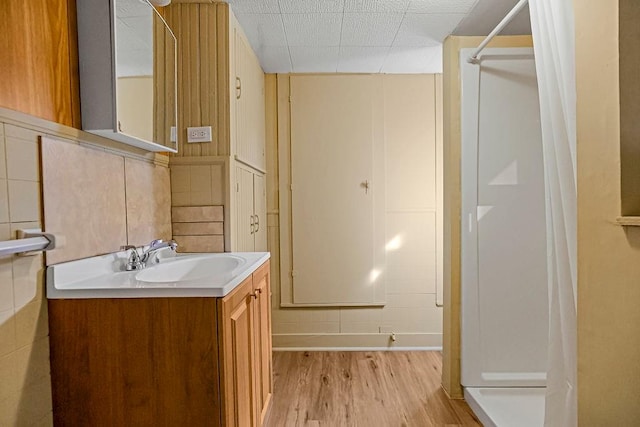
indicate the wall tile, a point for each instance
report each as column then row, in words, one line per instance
column 32, row 363
column 197, row 228
column 28, row 280
column 10, row 409
column 35, row 403
column 8, row 377
column 23, row 160
column 7, row 332
column 3, row 162
column 180, row 199
column 201, row 178
column 148, row 202
column 24, row 201
column 6, row 284
column 4, row 201
column 180, row 179
column 31, row 323
column 93, row 220
column 195, row 244
column 197, row 214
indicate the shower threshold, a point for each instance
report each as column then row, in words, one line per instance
column 507, row 407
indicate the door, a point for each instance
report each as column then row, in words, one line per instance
column 264, row 381
column 332, row 189
column 504, row 272
column 238, row 356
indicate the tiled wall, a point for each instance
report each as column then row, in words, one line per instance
column 200, row 182
column 25, row 383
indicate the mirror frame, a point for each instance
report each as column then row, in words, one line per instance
column 98, row 77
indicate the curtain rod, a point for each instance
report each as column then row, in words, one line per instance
column 473, row 59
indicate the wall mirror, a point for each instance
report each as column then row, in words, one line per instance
column 127, row 73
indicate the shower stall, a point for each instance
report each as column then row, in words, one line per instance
column 505, row 318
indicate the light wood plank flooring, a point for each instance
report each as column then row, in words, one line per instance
column 371, row 389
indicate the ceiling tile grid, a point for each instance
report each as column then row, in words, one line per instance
column 350, row 36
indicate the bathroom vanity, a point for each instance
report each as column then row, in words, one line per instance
column 193, row 348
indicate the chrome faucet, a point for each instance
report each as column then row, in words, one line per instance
column 134, row 262
column 150, row 254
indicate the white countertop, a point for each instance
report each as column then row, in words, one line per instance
column 104, row 277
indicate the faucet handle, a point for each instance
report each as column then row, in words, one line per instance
column 134, row 262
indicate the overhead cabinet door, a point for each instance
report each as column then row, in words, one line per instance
column 333, row 191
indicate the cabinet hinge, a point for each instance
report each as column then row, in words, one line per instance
column 237, row 187
column 289, row 99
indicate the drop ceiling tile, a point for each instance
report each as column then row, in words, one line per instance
column 370, row 29
column 313, row 6
column 315, row 59
column 274, row 59
column 423, row 29
column 361, row 59
column 317, row 29
column 410, row 60
column 254, row 6
column 376, row 5
column 440, row 6
column 263, row 29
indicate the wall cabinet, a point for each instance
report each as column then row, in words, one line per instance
column 249, row 233
column 251, row 211
column 163, row 361
column 249, row 104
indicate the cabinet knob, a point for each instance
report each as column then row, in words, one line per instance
column 255, row 295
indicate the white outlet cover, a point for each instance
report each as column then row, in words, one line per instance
column 199, row 134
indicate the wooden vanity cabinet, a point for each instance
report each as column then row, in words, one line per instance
column 245, row 343
column 163, row 361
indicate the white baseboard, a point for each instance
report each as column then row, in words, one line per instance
column 357, row 342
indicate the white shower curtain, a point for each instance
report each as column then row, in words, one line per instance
column 553, row 40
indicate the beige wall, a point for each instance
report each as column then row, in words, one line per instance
column 410, row 152
column 452, row 201
column 25, row 383
column 608, row 255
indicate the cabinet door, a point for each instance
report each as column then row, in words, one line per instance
column 245, row 218
column 242, row 88
column 260, row 212
column 264, row 380
column 238, row 353
column 249, row 105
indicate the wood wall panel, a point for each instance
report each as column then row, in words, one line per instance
column 203, row 77
column 38, row 57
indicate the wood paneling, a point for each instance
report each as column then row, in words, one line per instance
column 108, row 369
column 202, row 30
column 38, row 53
column 363, row 389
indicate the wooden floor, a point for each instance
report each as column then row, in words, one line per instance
column 371, row 389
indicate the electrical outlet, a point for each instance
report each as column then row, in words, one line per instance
column 199, row 134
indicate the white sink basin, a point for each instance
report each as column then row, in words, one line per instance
column 183, row 269
column 186, row 275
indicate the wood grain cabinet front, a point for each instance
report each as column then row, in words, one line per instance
column 163, row 361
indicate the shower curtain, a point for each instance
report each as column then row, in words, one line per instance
column 553, row 41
